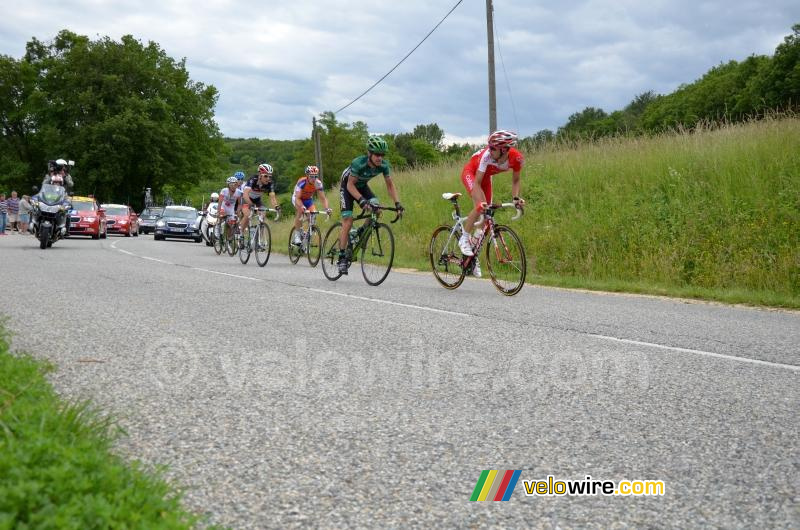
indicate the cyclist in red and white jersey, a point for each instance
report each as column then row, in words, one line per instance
column 498, row 156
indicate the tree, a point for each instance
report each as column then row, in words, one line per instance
column 430, row 133
column 126, row 112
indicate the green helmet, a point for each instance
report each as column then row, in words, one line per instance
column 377, row 145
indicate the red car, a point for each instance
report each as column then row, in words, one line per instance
column 87, row 218
column 121, row 219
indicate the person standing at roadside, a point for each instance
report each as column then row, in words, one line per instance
column 12, row 204
column 25, row 208
column 3, row 213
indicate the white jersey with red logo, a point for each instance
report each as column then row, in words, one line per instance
column 228, row 200
column 483, row 161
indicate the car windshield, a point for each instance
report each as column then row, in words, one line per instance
column 181, row 214
column 83, row 206
column 152, row 212
column 116, row 210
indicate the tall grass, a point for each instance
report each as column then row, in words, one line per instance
column 713, row 213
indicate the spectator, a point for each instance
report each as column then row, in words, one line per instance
column 24, row 214
column 3, row 213
column 12, row 204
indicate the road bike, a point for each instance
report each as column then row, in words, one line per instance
column 310, row 240
column 227, row 238
column 373, row 239
column 257, row 238
column 505, row 255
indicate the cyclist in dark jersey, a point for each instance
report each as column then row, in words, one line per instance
column 253, row 189
column 353, row 187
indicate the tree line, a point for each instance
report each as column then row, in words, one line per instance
column 131, row 118
column 731, row 92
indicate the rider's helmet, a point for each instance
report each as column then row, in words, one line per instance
column 57, row 180
column 312, row 171
column 502, row 139
column 61, row 164
column 214, row 197
column 239, row 175
column 265, row 169
column 232, row 180
column 377, row 145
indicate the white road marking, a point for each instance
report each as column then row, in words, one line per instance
column 698, row 352
column 792, row 367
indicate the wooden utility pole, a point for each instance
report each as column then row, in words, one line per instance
column 317, row 148
column 492, row 93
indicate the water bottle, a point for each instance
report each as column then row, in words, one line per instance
column 353, row 236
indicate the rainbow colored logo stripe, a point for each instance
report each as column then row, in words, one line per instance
column 495, row 485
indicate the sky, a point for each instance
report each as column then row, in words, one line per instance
column 277, row 64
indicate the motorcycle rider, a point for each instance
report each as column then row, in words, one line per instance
column 59, row 167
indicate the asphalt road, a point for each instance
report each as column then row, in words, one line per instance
column 340, row 404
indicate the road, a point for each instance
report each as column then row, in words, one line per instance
column 340, row 404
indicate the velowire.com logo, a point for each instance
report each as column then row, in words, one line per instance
column 495, row 485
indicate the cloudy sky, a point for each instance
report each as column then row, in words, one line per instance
column 277, row 64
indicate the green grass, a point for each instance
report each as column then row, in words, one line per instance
column 56, row 465
column 713, row 214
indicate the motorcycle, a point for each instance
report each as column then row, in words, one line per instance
column 50, row 215
column 208, row 223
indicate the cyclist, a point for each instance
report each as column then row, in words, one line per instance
column 353, row 188
column 253, row 189
column 229, row 199
column 498, row 156
column 303, row 198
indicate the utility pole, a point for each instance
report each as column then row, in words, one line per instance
column 317, row 148
column 492, row 93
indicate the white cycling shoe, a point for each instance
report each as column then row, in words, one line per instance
column 465, row 245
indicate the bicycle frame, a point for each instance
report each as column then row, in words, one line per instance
column 367, row 227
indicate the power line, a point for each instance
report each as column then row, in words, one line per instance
column 508, row 84
column 401, row 60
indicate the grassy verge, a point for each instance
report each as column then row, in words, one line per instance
column 711, row 214
column 56, row 467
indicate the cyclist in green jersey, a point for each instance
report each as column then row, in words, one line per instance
column 353, row 187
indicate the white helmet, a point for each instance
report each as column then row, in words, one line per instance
column 214, row 197
column 61, row 162
column 232, row 180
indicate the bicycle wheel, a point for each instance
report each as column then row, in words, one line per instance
column 505, row 258
column 314, row 250
column 245, row 249
column 263, row 244
column 218, row 242
column 233, row 241
column 377, row 254
column 330, row 252
column 295, row 251
column 445, row 256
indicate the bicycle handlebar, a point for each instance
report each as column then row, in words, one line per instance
column 379, row 207
column 496, row 206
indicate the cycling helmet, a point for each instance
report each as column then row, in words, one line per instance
column 239, row 175
column 312, row 171
column 377, row 145
column 214, row 197
column 502, row 139
column 232, row 180
column 265, row 169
